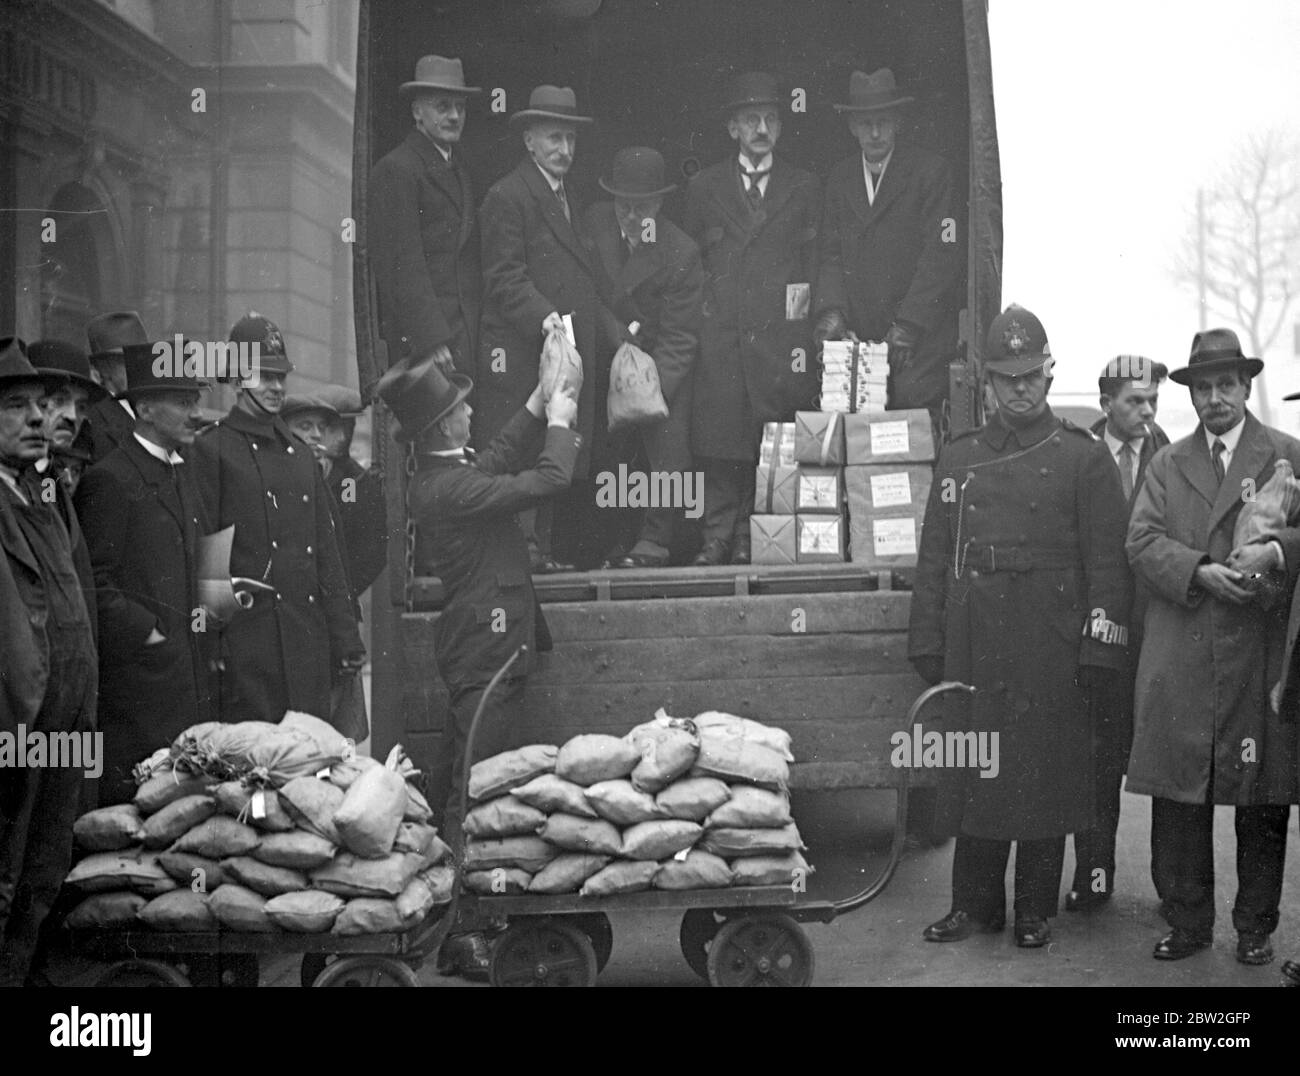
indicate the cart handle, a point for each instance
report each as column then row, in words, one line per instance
column 467, row 765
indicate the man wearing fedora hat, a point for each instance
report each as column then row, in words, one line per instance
column 539, row 264
column 658, row 282
column 111, row 421
column 755, row 217
column 66, row 407
column 891, row 265
column 48, row 685
column 1021, row 591
column 465, row 507
column 424, row 245
column 1205, row 731
column 144, row 516
column 300, row 634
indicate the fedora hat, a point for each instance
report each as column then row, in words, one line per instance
column 255, row 328
column 1016, row 343
column 438, row 74
column 15, row 366
column 1215, row 349
column 637, row 172
column 142, row 375
column 107, row 334
column 419, row 394
column 751, row 88
column 67, row 361
column 550, row 103
column 874, row 91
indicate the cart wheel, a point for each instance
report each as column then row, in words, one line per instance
column 699, row 927
column 543, row 953
column 142, row 973
column 597, row 927
column 761, row 950
column 367, row 971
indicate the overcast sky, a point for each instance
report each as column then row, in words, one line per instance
column 1110, row 114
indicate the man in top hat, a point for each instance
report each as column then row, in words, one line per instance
column 1205, row 730
column 1021, row 591
column 1129, row 388
column 465, row 506
column 539, row 264
column 144, row 516
column 110, row 421
column 48, row 685
column 300, row 633
column 658, row 282
column 66, row 407
column 424, row 244
column 891, row 264
column 755, row 217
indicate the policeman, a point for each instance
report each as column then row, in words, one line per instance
column 1022, row 591
column 299, row 634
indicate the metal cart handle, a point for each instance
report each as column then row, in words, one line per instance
column 497, row 677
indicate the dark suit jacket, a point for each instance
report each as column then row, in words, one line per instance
column 469, row 538
column 535, row 262
column 109, row 426
column 888, row 262
column 747, row 374
column 424, row 251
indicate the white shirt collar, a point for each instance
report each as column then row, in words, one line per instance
column 447, row 453
column 127, row 407
column 1229, row 439
column 157, row 451
column 550, row 179
column 872, row 179
column 765, row 165
column 1115, row 444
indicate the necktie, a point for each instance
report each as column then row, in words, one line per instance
column 1217, row 454
column 564, row 202
column 752, row 190
column 1126, row 469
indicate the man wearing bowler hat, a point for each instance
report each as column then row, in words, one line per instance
column 539, row 264
column 66, row 407
column 144, row 516
column 466, row 506
column 1022, row 592
column 1205, row 729
column 110, row 422
column 658, row 282
column 755, row 217
column 424, row 244
column 300, row 633
column 891, row 264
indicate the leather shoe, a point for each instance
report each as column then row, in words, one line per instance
column 1085, row 900
column 714, row 552
column 740, row 551
column 958, row 926
column 1178, row 944
column 1254, row 948
column 1032, row 932
column 467, row 956
column 637, row 560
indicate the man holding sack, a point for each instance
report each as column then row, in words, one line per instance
column 658, row 283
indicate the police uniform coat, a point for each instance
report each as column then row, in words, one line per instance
column 280, row 654
column 1203, row 728
column 1020, row 581
column 424, row 251
column 888, row 261
column 749, row 370
column 143, row 527
column 465, row 511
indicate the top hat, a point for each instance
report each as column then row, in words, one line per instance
column 107, row 333
column 1016, row 343
column 752, row 88
column 437, row 74
column 637, row 172
column 870, row 92
column 419, row 394
column 150, row 370
column 14, row 365
column 68, row 362
column 254, row 328
column 1215, row 349
column 550, row 103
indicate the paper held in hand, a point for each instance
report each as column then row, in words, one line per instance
column 220, row 593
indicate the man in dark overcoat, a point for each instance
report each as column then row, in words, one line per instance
column 300, row 632
column 657, row 282
column 1205, row 731
column 67, row 408
column 424, row 243
column 143, row 515
column 110, row 421
column 755, row 218
column 891, row 262
column 1022, row 592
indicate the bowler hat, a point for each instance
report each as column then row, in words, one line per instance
column 151, row 369
column 1215, row 349
column 868, row 93
column 637, row 172
column 420, row 394
column 14, row 365
column 108, row 333
column 437, row 74
column 750, row 89
column 255, row 328
column 1016, row 343
column 550, row 103
column 67, row 361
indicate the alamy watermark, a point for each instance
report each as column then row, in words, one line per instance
column 918, row 749
column 31, row 749
column 653, row 489
column 214, row 360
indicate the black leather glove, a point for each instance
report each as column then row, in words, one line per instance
column 902, row 340
column 1093, row 677
column 929, row 666
column 831, row 325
